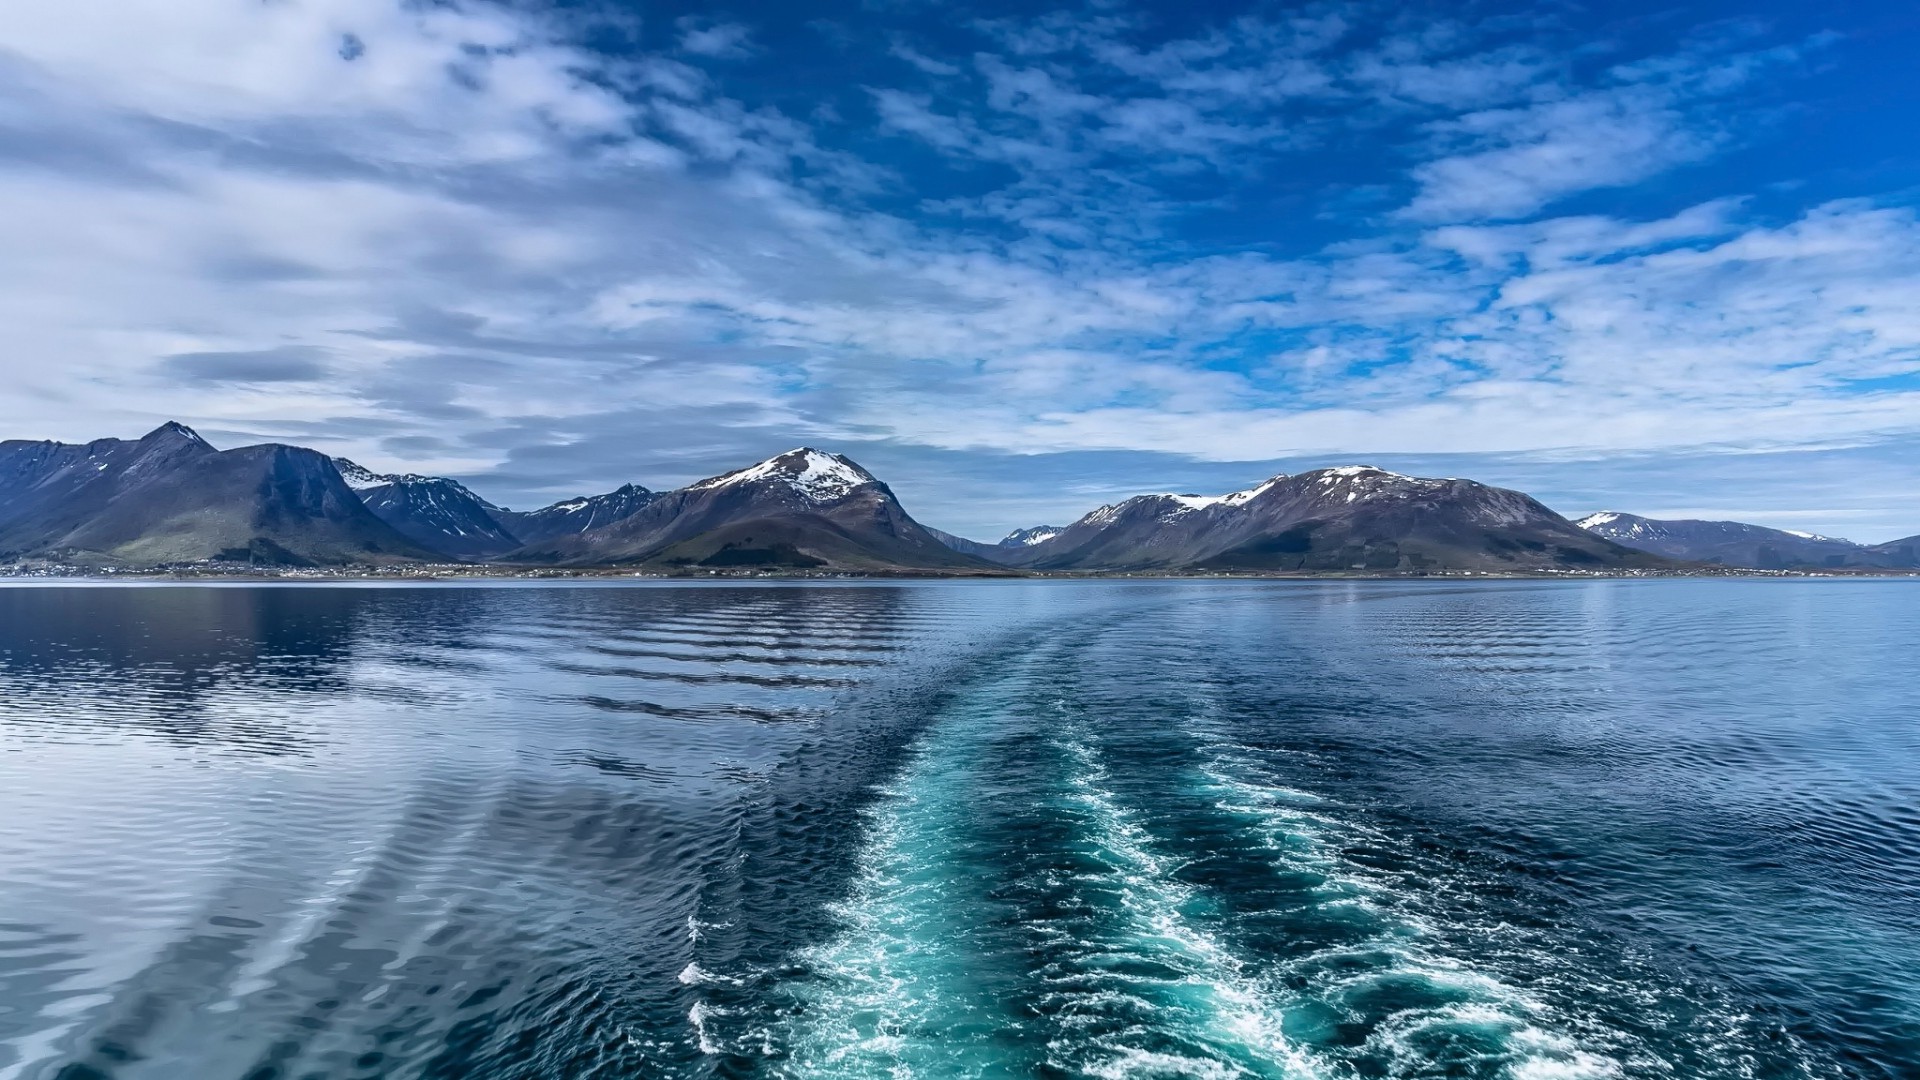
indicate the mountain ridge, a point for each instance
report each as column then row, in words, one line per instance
column 170, row 497
column 1344, row 518
column 1742, row 545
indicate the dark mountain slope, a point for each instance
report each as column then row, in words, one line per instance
column 170, row 497
column 965, row 546
column 1901, row 554
column 49, row 489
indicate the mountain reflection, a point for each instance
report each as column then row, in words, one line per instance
column 235, row 668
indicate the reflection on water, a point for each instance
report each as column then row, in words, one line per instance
column 960, row 829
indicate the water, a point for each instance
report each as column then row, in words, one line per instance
column 1007, row 829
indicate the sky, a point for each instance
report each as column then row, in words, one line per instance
column 1017, row 259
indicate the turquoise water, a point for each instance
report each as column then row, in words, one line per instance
column 1014, row 829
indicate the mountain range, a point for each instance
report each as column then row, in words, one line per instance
column 1735, row 543
column 170, row 498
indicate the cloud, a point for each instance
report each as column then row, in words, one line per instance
column 1645, row 117
column 288, row 363
column 718, row 40
column 1543, row 152
column 924, row 63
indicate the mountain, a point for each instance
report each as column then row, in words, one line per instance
column 963, row 545
column 171, row 497
column 804, row 509
column 1735, row 543
column 1006, row 551
column 1903, row 554
column 1022, row 538
column 1354, row 517
column 574, row 516
column 432, row 511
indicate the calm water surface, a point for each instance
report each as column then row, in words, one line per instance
column 1015, row 829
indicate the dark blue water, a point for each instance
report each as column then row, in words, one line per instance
column 1012, row 829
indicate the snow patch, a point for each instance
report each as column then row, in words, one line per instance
column 1341, row 472
column 1188, row 503
column 359, row 477
column 1039, row 534
column 1816, row 536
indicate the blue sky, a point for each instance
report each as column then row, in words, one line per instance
column 1017, row 259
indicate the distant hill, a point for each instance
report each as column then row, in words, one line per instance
column 1738, row 544
column 1900, row 553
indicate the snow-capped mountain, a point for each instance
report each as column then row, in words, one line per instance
column 570, row 517
column 436, row 512
column 804, row 508
column 170, row 497
column 1734, row 543
column 1024, row 538
column 1354, row 517
column 815, row 476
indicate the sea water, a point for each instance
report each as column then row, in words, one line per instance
column 961, row 829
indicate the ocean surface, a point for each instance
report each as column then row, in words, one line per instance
column 1050, row 829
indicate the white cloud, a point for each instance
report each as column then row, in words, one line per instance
column 1643, row 119
column 1543, row 152
column 719, row 40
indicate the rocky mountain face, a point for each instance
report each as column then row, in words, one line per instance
column 1344, row 519
column 804, row 509
column 170, row 497
column 435, row 512
column 1735, row 543
column 571, row 517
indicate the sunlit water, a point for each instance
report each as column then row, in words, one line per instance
column 1008, row 829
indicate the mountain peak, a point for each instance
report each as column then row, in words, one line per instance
column 1039, row 534
column 359, row 477
column 814, row 474
column 174, row 431
column 1374, row 473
